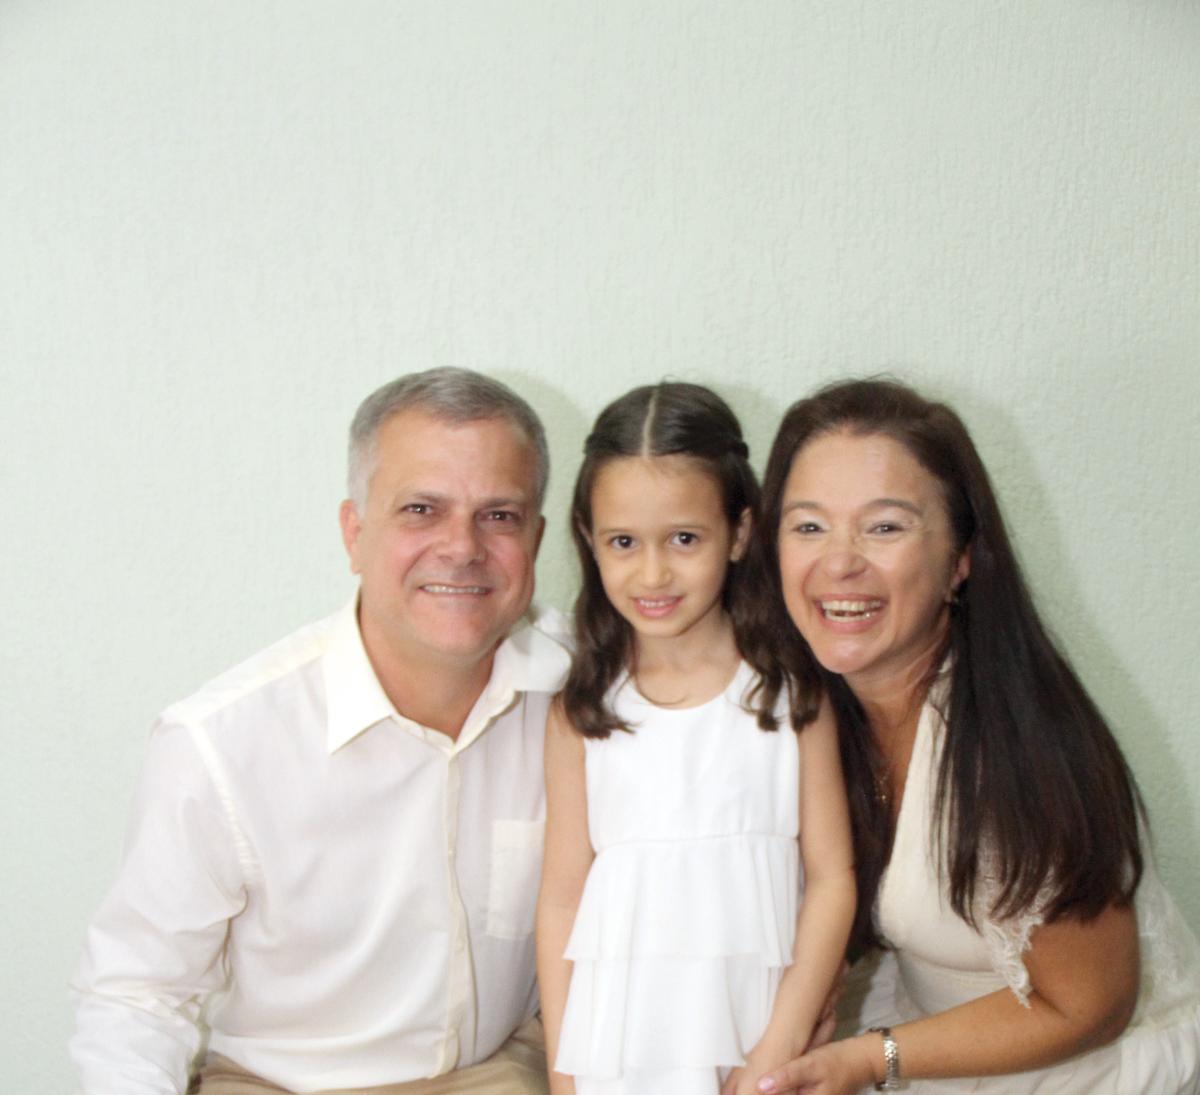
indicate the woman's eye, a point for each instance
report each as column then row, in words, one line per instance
column 806, row 528
column 884, row 528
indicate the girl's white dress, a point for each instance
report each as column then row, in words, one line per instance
column 939, row 961
column 689, row 911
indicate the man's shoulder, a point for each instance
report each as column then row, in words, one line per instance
column 252, row 681
column 537, row 654
column 552, row 623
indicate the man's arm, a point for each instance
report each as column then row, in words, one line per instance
column 154, row 950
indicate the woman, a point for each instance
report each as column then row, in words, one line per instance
column 997, row 826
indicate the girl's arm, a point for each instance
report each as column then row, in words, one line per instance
column 568, row 856
column 826, row 911
column 1084, row 978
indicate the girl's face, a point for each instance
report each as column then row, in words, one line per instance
column 663, row 544
column 867, row 559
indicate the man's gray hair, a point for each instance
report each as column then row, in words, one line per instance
column 456, row 396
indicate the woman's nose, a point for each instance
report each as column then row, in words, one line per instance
column 842, row 557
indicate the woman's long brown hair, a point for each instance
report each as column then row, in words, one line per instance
column 1030, row 771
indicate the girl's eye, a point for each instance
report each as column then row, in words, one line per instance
column 621, row 543
column 686, row 539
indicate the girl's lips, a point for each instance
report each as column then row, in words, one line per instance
column 654, row 608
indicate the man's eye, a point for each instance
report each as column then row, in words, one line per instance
column 418, row 508
column 501, row 515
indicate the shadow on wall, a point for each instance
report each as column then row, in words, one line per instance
column 566, row 427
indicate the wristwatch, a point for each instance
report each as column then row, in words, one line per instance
column 891, row 1061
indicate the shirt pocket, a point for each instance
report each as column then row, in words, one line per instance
column 515, row 874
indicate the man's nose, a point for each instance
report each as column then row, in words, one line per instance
column 462, row 539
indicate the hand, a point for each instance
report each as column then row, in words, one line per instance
column 744, row 1079
column 840, row 1068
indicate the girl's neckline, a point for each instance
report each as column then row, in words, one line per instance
column 740, row 672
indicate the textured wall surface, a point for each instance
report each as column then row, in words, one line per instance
column 222, row 224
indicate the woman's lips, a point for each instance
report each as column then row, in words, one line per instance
column 849, row 613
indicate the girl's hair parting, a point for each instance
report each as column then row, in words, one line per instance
column 1036, row 803
column 688, row 420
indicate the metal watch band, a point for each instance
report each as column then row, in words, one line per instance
column 891, row 1061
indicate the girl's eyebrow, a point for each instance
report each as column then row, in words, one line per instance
column 675, row 526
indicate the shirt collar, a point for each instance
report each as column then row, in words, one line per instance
column 354, row 699
column 533, row 658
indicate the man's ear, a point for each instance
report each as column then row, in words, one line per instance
column 741, row 535
column 351, row 528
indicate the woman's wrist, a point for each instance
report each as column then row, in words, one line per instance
column 872, row 1063
column 887, row 1079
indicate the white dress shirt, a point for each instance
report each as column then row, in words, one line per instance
column 344, row 897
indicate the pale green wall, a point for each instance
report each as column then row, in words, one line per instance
column 221, row 224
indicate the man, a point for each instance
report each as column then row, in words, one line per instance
column 335, row 848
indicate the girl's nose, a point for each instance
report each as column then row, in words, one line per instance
column 655, row 570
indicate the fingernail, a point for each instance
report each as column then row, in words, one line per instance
column 766, row 1084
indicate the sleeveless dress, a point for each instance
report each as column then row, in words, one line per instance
column 939, row 961
column 688, row 915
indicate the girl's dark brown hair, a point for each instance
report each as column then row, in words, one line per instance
column 677, row 419
column 1030, row 771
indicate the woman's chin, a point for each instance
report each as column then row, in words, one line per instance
column 843, row 658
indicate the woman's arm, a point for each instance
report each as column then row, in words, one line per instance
column 565, row 866
column 1084, row 978
column 826, row 911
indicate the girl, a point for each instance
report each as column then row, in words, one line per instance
column 677, row 806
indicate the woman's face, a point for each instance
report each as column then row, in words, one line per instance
column 867, row 559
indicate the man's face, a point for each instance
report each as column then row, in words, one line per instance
column 447, row 544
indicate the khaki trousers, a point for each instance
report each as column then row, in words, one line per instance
column 517, row 1068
